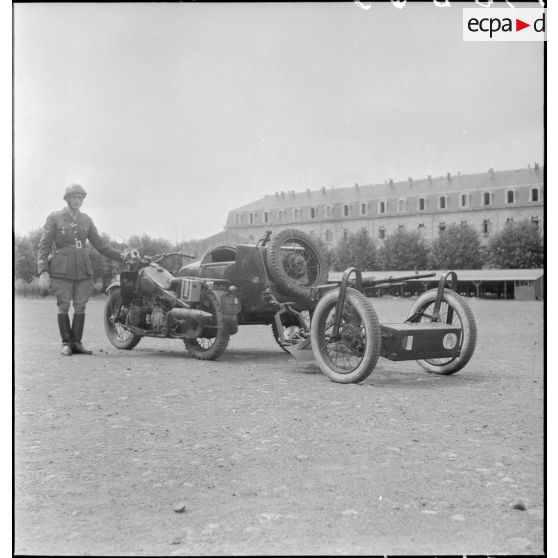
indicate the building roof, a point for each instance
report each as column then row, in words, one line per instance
column 424, row 186
column 462, row 274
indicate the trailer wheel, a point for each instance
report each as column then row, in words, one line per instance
column 453, row 310
column 352, row 357
column 295, row 263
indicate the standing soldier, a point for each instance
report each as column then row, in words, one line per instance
column 67, row 270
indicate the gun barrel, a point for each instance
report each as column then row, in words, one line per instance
column 389, row 280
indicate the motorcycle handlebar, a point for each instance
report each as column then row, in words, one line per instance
column 134, row 257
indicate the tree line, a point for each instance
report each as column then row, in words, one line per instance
column 518, row 246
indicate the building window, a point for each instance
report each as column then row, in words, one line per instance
column 534, row 194
column 312, row 213
column 252, row 218
column 363, row 208
column 296, row 214
column 442, row 202
column 329, row 235
column 345, row 210
column 463, row 200
column 266, row 216
column 486, row 227
column 382, row 207
column 510, row 196
column 486, row 198
column 441, row 227
column 329, row 211
column 237, row 219
column 381, row 233
column 421, row 204
column 422, row 229
column 535, row 221
column 345, row 234
column 401, row 205
column 280, row 214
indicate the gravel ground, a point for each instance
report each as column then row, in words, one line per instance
column 150, row 452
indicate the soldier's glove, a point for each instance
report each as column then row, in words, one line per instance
column 44, row 283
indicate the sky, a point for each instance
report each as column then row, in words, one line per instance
column 173, row 114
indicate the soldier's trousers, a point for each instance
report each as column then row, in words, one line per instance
column 68, row 290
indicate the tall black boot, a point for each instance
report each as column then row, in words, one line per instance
column 65, row 333
column 77, row 332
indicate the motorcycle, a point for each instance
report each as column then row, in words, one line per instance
column 150, row 301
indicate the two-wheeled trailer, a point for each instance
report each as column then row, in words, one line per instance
column 346, row 339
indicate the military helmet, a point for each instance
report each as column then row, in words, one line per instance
column 74, row 189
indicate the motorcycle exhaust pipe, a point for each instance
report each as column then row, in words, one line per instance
column 188, row 314
column 192, row 320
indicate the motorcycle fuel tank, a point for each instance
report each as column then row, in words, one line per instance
column 153, row 277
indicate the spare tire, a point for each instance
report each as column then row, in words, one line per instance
column 295, row 263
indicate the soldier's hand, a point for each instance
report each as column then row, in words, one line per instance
column 44, row 283
column 125, row 255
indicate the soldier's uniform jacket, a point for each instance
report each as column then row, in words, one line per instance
column 67, row 238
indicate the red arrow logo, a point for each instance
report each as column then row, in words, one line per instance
column 519, row 25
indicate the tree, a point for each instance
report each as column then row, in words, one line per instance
column 104, row 269
column 357, row 249
column 518, row 246
column 458, row 247
column 148, row 245
column 25, row 255
column 403, row 250
column 323, row 248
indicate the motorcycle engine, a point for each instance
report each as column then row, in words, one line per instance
column 158, row 317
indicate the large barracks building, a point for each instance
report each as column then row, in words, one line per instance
column 486, row 200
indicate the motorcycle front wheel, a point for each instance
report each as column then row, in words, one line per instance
column 214, row 338
column 119, row 336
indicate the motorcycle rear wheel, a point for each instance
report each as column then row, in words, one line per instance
column 215, row 337
column 119, row 336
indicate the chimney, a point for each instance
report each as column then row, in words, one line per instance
column 429, row 179
column 282, row 194
column 308, row 191
column 537, row 168
column 293, row 194
column 323, row 190
column 391, row 182
column 491, row 172
column 448, row 176
column 410, row 180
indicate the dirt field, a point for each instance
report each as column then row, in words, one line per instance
column 150, row 452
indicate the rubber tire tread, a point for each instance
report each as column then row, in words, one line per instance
column 467, row 317
column 285, row 284
column 221, row 340
column 373, row 331
column 109, row 326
